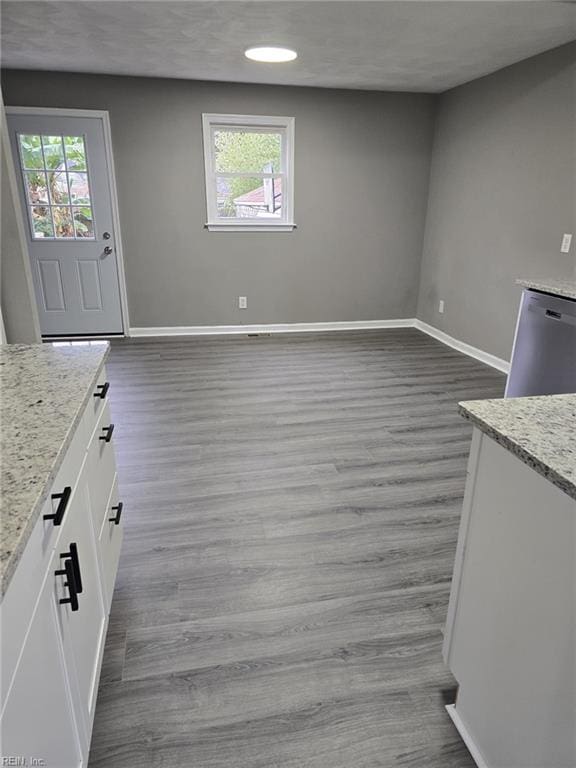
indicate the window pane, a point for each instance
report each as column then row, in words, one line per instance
column 53, row 152
column 58, row 187
column 83, row 222
column 75, row 153
column 41, row 222
column 36, row 187
column 79, row 190
column 249, row 197
column 31, row 149
column 245, row 151
column 63, row 222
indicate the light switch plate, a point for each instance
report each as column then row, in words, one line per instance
column 566, row 243
column 242, row 302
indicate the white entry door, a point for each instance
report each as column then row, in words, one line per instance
column 65, row 186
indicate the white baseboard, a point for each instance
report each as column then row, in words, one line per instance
column 344, row 325
column 461, row 346
column 227, row 330
column 466, row 738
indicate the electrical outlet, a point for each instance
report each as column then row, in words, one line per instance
column 566, row 243
column 441, row 306
column 242, row 302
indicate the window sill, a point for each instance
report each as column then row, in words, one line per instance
column 235, row 227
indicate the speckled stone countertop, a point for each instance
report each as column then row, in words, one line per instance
column 43, row 392
column 565, row 288
column 541, row 431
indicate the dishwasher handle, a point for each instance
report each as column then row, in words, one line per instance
column 546, row 313
column 555, row 315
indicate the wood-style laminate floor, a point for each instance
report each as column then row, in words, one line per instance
column 291, row 515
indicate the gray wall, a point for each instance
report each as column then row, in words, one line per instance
column 502, row 193
column 17, row 299
column 362, row 166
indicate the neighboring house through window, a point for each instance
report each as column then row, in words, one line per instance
column 249, row 163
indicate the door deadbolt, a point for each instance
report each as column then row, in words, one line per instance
column 106, row 235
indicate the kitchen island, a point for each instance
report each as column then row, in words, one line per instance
column 59, row 548
column 510, row 637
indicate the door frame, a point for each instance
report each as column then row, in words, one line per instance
column 104, row 116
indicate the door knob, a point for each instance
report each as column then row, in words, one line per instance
column 107, row 250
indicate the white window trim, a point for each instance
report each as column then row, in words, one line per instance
column 286, row 223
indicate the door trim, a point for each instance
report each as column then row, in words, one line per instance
column 20, row 225
column 104, row 116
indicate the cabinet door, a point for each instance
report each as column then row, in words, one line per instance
column 17, row 605
column 101, row 468
column 83, row 630
column 37, row 721
column 110, row 542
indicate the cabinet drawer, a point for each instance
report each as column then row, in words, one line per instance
column 110, row 542
column 101, row 469
column 97, row 401
column 20, row 598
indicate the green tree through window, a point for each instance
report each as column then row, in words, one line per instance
column 248, row 152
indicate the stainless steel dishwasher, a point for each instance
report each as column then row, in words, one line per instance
column 544, row 354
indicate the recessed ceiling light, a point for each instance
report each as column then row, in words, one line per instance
column 270, row 54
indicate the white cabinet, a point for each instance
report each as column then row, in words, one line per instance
column 110, row 542
column 510, row 638
column 20, row 599
column 101, row 467
column 38, row 719
column 83, row 630
column 54, row 614
column 105, row 505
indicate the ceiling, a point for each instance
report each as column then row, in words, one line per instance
column 413, row 46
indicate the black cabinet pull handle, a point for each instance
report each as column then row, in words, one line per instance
column 107, row 436
column 73, row 558
column 72, row 598
column 103, row 390
column 118, row 515
column 61, row 508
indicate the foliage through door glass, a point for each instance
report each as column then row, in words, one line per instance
column 57, row 186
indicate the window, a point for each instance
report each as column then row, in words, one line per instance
column 57, row 186
column 249, row 172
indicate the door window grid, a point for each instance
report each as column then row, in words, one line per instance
column 57, row 186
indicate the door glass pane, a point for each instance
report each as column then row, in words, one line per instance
column 41, row 222
column 247, row 151
column 79, row 189
column 63, row 222
column 249, row 198
column 57, row 186
column 75, row 153
column 58, row 183
column 31, row 151
column 36, row 188
column 53, row 152
column 83, row 221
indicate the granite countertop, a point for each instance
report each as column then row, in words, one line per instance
column 44, row 390
column 556, row 287
column 539, row 430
